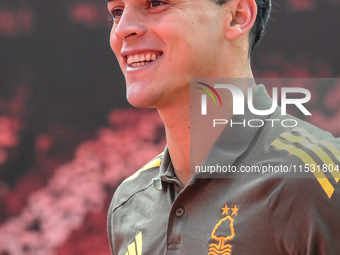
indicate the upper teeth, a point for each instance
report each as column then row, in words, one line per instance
column 142, row 58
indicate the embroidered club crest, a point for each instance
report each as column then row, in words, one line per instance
column 223, row 232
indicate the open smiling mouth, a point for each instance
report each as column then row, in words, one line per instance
column 142, row 59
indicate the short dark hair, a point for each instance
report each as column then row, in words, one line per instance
column 257, row 31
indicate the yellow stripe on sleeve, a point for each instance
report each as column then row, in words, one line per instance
column 139, row 242
column 317, row 150
column 325, row 143
column 320, row 176
column 132, row 249
column 153, row 163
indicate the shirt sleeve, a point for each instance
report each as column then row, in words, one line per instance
column 304, row 219
column 109, row 225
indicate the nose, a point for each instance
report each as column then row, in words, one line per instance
column 130, row 25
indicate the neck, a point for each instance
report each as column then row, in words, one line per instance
column 176, row 119
column 177, row 127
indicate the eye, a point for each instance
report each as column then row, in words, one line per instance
column 153, row 4
column 116, row 13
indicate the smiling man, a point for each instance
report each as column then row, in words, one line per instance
column 160, row 45
column 162, row 209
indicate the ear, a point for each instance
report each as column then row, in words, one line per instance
column 241, row 18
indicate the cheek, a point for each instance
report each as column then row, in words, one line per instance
column 115, row 44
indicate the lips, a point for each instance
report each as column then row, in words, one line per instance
column 142, row 58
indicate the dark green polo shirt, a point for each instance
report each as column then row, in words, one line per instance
column 255, row 213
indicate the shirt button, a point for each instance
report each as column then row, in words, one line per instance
column 179, row 212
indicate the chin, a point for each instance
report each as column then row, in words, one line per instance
column 141, row 100
column 142, row 94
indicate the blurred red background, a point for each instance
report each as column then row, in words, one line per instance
column 67, row 134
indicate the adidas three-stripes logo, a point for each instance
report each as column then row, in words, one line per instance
column 135, row 248
column 323, row 149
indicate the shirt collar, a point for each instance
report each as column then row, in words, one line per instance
column 166, row 171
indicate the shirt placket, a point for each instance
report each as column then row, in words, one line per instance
column 177, row 216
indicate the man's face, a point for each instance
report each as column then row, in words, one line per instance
column 160, row 45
